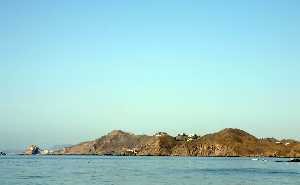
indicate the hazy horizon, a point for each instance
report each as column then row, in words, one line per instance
column 73, row 71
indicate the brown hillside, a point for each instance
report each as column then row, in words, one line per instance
column 227, row 142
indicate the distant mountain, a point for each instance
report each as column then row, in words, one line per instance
column 227, row 142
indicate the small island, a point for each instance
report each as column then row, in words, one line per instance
column 228, row 142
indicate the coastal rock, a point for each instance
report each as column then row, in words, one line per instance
column 32, row 150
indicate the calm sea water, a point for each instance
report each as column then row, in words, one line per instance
column 54, row 170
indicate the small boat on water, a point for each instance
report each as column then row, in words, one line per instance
column 292, row 160
column 259, row 159
column 2, row 153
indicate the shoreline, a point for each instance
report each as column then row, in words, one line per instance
column 179, row 156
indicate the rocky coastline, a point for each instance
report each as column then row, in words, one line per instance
column 225, row 143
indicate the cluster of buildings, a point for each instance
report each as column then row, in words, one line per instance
column 286, row 144
column 179, row 137
column 185, row 137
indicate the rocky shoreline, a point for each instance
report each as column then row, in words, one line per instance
column 225, row 143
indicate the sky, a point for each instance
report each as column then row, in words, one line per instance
column 72, row 71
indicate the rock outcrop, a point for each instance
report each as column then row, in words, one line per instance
column 227, row 142
column 32, row 150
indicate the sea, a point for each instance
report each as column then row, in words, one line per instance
column 148, row 170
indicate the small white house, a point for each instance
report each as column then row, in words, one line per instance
column 159, row 134
column 190, row 139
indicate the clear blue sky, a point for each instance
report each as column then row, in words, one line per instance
column 74, row 70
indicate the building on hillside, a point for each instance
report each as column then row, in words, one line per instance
column 159, row 134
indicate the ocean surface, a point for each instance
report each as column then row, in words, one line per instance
column 109, row 170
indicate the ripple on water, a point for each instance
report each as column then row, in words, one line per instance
column 33, row 177
column 231, row 171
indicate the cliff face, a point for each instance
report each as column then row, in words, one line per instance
column 227, row 142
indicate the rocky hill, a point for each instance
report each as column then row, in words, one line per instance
column 227, row 142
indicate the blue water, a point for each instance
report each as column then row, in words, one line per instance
column 55, row 170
